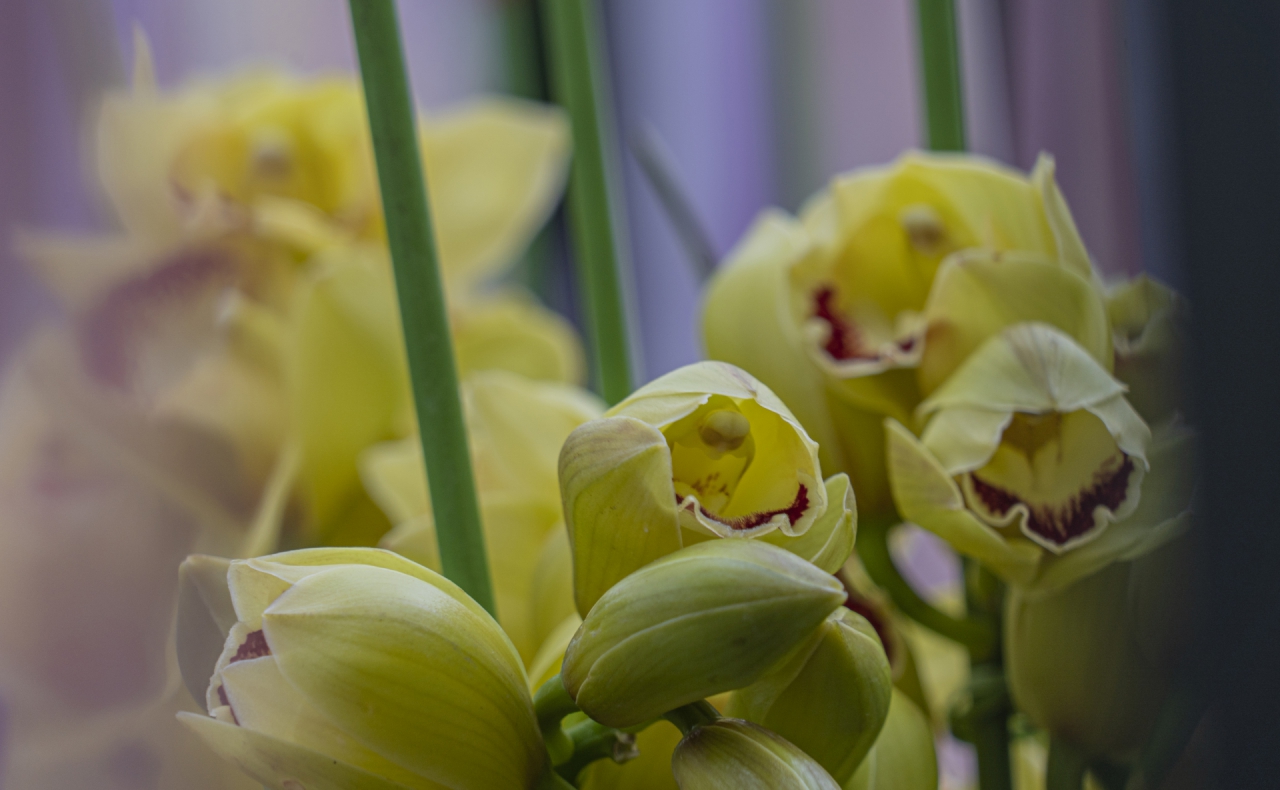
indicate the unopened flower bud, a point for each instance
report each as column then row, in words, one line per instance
column 830, row 698
column 731, row 754
column 359, row 668
column 704, row 620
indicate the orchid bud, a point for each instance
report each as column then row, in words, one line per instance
column 358, row 668
column 704, row 620
column 731, row 754
column 1150, row 324
column 706, row 450
column 903, row 757
column 830, row 698
column 1093, row 663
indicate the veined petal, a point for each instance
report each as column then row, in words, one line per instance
column 204, row 618
column 741, row 463
column 1161, row 516
column 282, row 765
column 348, row 385
column 1069, row 246
column 619, row 502
column 439, row 675
column 829, row 541
column 978, row 293
column 496, row 167
column 926, row 495
column 1041, row 437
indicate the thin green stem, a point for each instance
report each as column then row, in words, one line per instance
column 392, row 119
column 979, row 636
column 593, row 741
column 940, row 73
column 1179, row 716
column 1067, row 767
column 656, row 163
column 551, row 702
column 692, row 715
column 579, row 82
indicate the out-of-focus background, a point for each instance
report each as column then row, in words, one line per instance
column 759, row 103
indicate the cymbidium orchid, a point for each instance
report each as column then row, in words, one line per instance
column 248, row 294
column 704, row 452
column 1149, row 320
column 903, row 756
column 1032, row 461
column 358, row 668
column 827, row 309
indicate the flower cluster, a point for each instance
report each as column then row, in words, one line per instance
column 677, row 600
column 938, row 326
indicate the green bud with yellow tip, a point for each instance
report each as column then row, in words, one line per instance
column 356, row 668
column 732, row 754
column 830, row 698
column 707, row 619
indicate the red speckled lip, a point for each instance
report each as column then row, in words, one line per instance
column 1066, row 522
column 793, row 512
column 254, row 646
column 844, row 343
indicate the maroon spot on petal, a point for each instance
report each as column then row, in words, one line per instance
column 793, row 512
column 843, row 340
column 254, row 646
column 222, row 697
column 1063, row 523
column 906, row 344
column 110, row 333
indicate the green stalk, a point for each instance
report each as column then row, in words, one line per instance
column 940, row 72
column 432, row 371
column 1066, row 769
column 579, row 82
column 977, row 635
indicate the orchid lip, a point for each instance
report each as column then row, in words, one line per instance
column 751, row 521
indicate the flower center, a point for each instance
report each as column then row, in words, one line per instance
column 1055, row 471
column 924, row 228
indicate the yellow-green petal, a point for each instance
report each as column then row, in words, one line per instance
column 828, row 543
column 619, row 502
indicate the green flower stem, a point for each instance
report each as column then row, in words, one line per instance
column 392, row 119
column 692, row 715
column 551, row 702
column 1067, row 767
column 979, row 636
column 593, row 741
column 579, row 82
column 940, row 70
column 1179, row 716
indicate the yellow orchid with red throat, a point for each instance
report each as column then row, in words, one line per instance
column 704, row 452
column 829, row 308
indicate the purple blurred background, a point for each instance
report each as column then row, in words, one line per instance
column 759, row 102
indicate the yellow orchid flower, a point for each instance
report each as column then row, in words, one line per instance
column 232, row 147
column 1033, row 462
column 829, row 309
column 358, row 668
column 703, row 452
column 731, row 754
column 516, row 427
